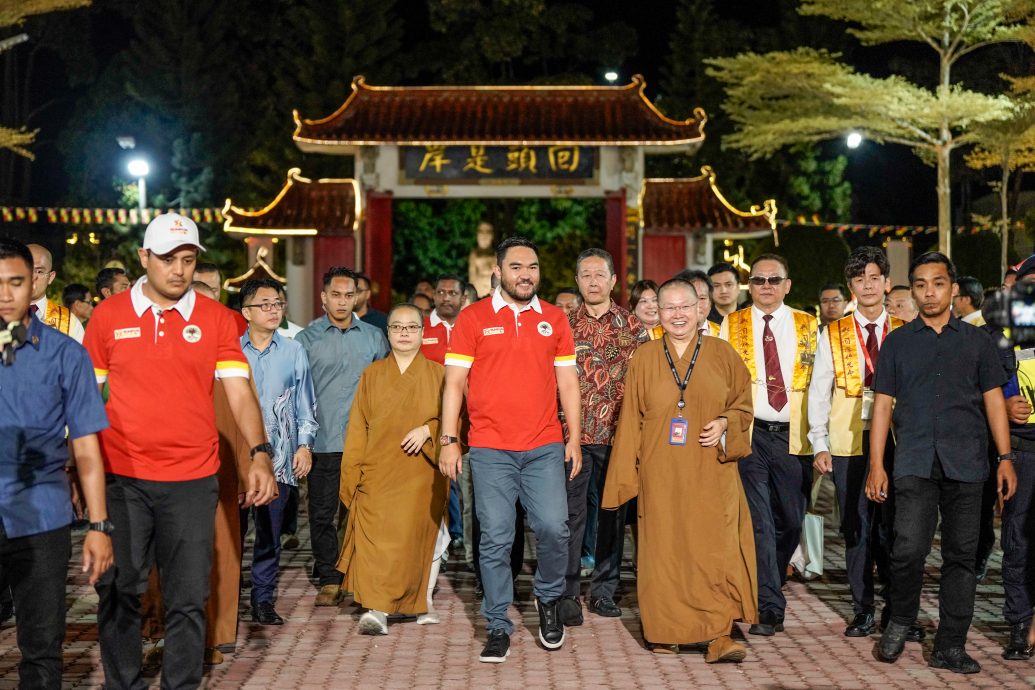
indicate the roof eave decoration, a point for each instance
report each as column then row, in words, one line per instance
column 236, row 218
column 685, row 135
column 258, row 268
column 766, row 213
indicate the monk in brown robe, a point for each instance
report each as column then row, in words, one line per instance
column 390, row 481
column 696, row 547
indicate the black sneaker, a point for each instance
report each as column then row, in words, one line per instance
column 954, row 659
column 551, row 630
column 497, row 647
column 570, row 611
column 1018, row 648
column 264, row 614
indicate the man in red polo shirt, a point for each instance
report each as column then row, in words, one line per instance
column 160, row 348
column 515, row 354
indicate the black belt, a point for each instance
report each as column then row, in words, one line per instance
column 772, row 427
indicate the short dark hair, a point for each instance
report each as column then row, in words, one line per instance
column 932, row 258
column 450, row 276
column 206, row 267
column 896, row 288
column 724, row 267
column 568, row 291
column 678, row 282
column 971, row 287
column 833, row 286
column 472, row 293
column 689, row 275
column 339, row 272
column 74, row 292
column 637, row 290
column 420, row 295
column 13, row 249
column 251, row 287
column 361, row 276
column 861, row 257
column 509, row 243
column 599, row 254
column 772, row 257
column 406, row 305
column 106, row 278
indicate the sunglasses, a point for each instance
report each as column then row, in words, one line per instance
column 762, row 280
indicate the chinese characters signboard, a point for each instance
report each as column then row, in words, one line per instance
column 498, row 164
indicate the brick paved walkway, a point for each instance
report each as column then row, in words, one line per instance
column 319, row 648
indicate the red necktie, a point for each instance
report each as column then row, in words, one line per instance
column 773, row 374
column 871, row 347
column 33, row 309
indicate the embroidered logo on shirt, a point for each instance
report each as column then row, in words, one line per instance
column 544, row 328
column 495, row 330
column 191, row 333
column 123, row 333
column 429, row 341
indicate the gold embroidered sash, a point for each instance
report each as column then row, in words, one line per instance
column 844, row 348
column 741, row 337
column 58, row 317
column 805, row 349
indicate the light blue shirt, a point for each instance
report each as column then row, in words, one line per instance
column 286, row 396
column 337, row 358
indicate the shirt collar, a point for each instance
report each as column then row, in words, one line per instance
column 879, row 321
column 246, row 342
column 498, row 303
column 434, row 320
column 327, row 325
column 919, row 325
column 33, row 333
column 41, row 307
column 757, row 313
column 972, row 317
column 142, row 303
column 581, row 312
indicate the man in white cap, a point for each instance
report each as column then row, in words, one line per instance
column 161, row 348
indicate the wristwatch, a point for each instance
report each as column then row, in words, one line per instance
column 1006, row 456
column 266, row 448
column 104, row 527
column 444, row 440
column 307, row 446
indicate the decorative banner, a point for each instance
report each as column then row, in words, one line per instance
column 875, row 230
column 102, row 216
column 439, row 164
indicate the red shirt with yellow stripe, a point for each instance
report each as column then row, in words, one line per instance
column 160, row 365
column 512, row 353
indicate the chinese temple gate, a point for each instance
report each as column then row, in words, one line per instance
column 483, row 142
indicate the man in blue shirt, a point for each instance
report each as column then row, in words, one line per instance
column 53, row 373
column 280, row 370
column 340, row 346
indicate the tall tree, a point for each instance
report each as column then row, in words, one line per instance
column 807, row 95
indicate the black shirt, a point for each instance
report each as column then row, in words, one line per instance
column 938, row 381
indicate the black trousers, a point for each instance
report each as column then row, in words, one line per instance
column 777, row 486
column 171, row 525
column 1018, row 538
column 862, row 522
column 989, row 497
column 918, row 502
column 35, row 567
column 324, row 483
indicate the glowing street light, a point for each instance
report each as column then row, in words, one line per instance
column 853, row 140
column 611, row 76
column 139, row 169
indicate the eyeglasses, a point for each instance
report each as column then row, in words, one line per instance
column 762, row 280
column 404, row 327
column 40, row 271
column 266, row 306
column 831, row 300
column 682, row 309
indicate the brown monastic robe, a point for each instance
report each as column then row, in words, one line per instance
column 396, row 501
column 696, row 546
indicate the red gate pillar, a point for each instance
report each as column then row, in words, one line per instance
column 616, row 240
column 377, row 247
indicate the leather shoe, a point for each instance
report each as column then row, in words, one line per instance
column 570, row 611
column 768, row 624
column 329, row 595
column 1018, row 649
column 916, row 633
column 724, row 649
column 954, row 659
column 892, row 642
column 263, row 613
column 605, row 606
column 863, row 625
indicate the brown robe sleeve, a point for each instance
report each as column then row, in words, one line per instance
column 739, row 410
column 356, row 438
column 436, row 375
column 623, row 483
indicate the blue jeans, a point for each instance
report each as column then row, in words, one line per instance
column 537, row 478
column 269, row 521
column 456, row 522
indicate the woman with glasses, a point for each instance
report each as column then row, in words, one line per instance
column 391, row 484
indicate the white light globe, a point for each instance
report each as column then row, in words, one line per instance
column 138, row 167
column 853, row 140
column 611, row 76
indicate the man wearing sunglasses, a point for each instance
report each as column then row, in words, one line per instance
column 777, row 344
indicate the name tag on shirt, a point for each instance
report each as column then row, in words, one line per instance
column 867, row 410
column 1025, row 355
column 495, row 330
column 429, row 341
column 123, row 333
column 677, row 432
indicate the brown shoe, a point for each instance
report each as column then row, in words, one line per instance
column 213, row 657
column 330, row 595
column 724, row 649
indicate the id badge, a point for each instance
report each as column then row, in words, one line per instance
column 867, row 411
column 677, row 432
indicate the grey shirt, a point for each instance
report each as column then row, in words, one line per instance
column 337, row 359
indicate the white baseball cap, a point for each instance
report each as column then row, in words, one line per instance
column 170, row 231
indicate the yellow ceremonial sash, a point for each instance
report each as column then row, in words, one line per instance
column 58, row 317
column 714, row 328
column 742, row 338
column 655, row 332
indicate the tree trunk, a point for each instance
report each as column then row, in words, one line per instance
column 944, row 200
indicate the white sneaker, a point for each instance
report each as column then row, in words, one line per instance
column 373, row 623
column 429, row 618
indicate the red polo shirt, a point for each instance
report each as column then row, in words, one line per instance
column 435, row 343
column 160, row 366
column 512, row 386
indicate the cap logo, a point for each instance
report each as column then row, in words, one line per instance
column 177, row 227
column 191, row 333
column 544, row 328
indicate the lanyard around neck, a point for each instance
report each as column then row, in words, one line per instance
column 690, row 370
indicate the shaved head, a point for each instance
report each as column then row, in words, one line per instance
column 42, row 270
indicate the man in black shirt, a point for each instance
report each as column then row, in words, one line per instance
column 944, row 376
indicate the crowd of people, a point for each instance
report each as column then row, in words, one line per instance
column 448, row 423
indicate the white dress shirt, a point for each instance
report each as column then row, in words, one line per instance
column 821, row 389
column 782, row 326
column 75, row 328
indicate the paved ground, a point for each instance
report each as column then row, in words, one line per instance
column 319, row 648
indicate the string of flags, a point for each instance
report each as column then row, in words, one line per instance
column 875, row 230
column 102, row 216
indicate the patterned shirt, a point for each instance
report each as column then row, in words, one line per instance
column 603, row 347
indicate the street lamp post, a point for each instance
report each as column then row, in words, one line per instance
column 139, row 169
